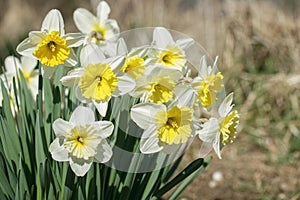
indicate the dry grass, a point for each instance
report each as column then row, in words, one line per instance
column 259, row 47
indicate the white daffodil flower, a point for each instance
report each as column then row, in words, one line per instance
column 203, row 88
column 221, row 130
column 98, row 29
column 157, row 84
column 51, row 46
column 207, row 83
column 165, row 128
column 27, row 66
column 166, row 51
column 97, row 83
column 81, row 141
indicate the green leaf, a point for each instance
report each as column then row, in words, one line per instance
column 11, row 139
column 48, row 113
column 51, row 194
column 185, row 183
column 190, row 169
column 23, row 188
column 39, row 144
column 5, row 185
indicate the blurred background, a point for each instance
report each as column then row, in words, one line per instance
column 258, row 43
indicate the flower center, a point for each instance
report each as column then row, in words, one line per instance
column 80, row 139
column 161, row 92
column 52, row 50
column 172, row 123
column 167, row 59
column 98, row 82
column 98, row 34
column 82, row 142
column 172, row 56
column 52, row 46
column 173, row 126
column 228, row 127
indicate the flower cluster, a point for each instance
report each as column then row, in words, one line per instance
column 176, row 101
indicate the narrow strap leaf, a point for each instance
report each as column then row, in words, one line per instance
column 191, row 168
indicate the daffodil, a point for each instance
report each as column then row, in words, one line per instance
column 203, row 88
column 98, row 82
column 166, row 51
column 157, row 85
column 220, row 130
column 81, row 141
column 27, row 66
column 51, row 46
column 208, row 83
column 98, row 29
column 165, row 128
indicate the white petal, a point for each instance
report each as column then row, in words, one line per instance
column 185, row 43
column 141, row 51
column 74, row 39
column 61, row 127
column 53, row 22
column 215, row 64
column 116, row 63
column 112, row 30
column 202, row 69
column 185, row 96
column 109, row 49
column 7, row 79
column 26, row 47
column 80, row 97
column 36, row 37
column 47, row 72
column 143, row 114
column 103, row 11
column 73, row 77
column 28, row 64
column 104, row 152
column 195, row 83
column 82, row 115
column 12, row 64
column 34, row 86
column 84, row 20
column 209, row 130
column 58, row 151
column 80, row 167
column 101, row 107
column 91, row 54
column 125, row 85
column 150, row 145
column 121, row 47
column 149, row 132
column 72, row 60
column 174, row 74
column 205, row 149
column 162, row 37
column 217, row 146
column 226, row 106
column 104, row 128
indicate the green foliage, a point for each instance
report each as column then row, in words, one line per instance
column 28, row 171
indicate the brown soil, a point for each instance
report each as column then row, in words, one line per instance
column 247, row 172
